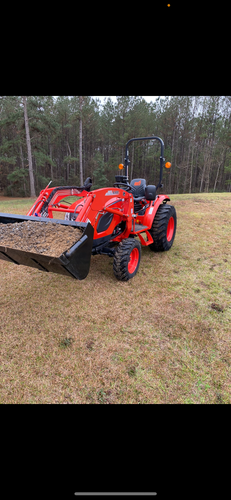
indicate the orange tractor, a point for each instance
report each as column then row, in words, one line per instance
column 112, row 220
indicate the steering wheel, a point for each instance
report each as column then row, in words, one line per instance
column 123, row 184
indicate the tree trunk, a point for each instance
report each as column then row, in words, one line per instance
column 68, row 164
column 191, row 174
column 132, row 162
column 206, row 156
column 208, row 163
column 219, row 163
column 51, row 160
column 80, row 142
column 186, row 170
column 194, row 182
column 208, row 175
column 202, row 178
column 172, row 152
column 21, row 155
column 74, row 152
column 218, row 169
column 31, row 174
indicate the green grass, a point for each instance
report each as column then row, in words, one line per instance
column 163, row 337
column 16, row 205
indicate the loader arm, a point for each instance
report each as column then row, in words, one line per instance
column 52, row 196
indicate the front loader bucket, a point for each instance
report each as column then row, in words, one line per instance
column 74, row 261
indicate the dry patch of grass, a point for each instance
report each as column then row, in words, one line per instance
column 163, row 337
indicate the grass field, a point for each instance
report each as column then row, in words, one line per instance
column 162, row 337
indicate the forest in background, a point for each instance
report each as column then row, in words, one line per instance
column 69, row 138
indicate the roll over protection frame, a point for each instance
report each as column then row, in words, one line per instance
column 162, row 159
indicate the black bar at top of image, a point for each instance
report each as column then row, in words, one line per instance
column 116, row 493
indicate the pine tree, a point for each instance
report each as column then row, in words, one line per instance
column 31, row 174
column 99, row 178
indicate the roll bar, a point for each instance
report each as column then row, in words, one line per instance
column 162, row 159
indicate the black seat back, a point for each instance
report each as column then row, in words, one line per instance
column 138, row 188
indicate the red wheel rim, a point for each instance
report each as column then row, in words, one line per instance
column 133, row 262
column 170, row 229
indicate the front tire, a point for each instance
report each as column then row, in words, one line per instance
column 127, row 259
column 163, row 228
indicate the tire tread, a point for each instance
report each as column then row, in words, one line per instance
column 159, row 228
column 121, row 258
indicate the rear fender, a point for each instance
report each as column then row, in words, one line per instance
column 151, row 211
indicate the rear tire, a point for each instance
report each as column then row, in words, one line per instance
column 127, row 259
column 163, row 228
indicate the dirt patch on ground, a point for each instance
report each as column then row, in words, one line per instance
column 39, row 237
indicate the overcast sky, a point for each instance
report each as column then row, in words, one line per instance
column 147, row 98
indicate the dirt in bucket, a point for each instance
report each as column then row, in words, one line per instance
column 39, row 237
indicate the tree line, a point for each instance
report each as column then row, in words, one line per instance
column 68, row 138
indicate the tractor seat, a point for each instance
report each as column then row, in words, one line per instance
column 138, row 188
